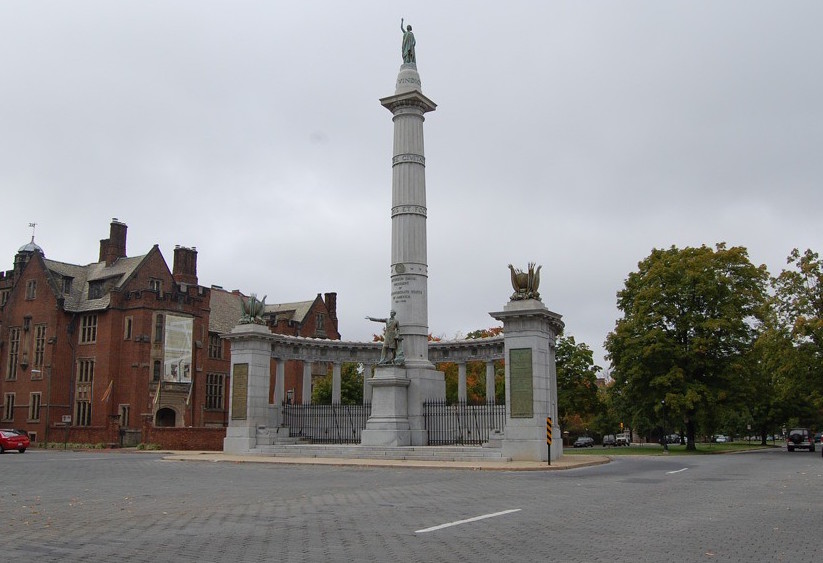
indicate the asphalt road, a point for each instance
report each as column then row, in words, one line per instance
column 104, row 506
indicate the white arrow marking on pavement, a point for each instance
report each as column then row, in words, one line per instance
column 678, row 471
column 458, row 522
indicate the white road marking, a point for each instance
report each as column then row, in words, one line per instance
column 458, row 522
column 678, row 471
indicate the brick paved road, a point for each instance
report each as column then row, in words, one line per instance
column 100, row 506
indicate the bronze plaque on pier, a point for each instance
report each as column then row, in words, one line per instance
column 522, row 384
column 239, row 391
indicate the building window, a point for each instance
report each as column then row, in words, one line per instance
column 34, row 407
column 14, row 350
column 127, row 328
column 26, row 324
column 88, row 329
column 158, row 328
column 8, row 406
column 67, row 285
column 4, row 296
column 155, row 285
column 95, row 289
column 215, row 347
column 31, row 289
column 82, row 400
column 124, row 415
column 39, row 345
column 157, row 366
column 214, row 390
column 320, row 324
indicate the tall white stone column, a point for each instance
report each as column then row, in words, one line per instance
column 409, row 258
column 399, row 391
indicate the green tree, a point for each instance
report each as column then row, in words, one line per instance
column 689, row 318
column 799, row 304
column 576, row 381
column 351, row 387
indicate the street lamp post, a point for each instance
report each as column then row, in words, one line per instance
column 665, row 437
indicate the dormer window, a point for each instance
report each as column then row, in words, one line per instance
column 67, row 285
column 156, row 285
column 95, row 289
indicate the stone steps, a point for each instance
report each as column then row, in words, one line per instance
column 420, row 453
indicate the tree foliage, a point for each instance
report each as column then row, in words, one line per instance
column 689, row 318
column 799, row 305
column 577, row 394
column 351, row 387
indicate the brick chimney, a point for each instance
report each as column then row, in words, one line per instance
column 331, row 305
column 185, row 265
column 114, row 247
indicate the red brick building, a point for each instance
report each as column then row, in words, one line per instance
column 123, row 347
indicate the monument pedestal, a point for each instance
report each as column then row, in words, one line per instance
column 427, row 384
column 388, row 424
column 398, row 394
column 530, row 331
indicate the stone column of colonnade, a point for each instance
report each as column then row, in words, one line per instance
column 336, row 376
column 336, row 382
column 462, row 395
column 307, row 365
column 490, row 390
column 279, row 386
column 368, row 370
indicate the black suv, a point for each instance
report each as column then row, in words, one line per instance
column 800, row 438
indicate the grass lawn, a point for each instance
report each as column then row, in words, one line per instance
column 657, row 449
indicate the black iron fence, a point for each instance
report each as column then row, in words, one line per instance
column 326, row 424
column 462, row 423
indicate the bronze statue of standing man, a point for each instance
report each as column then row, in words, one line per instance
column 392, row 352
column 408, row 44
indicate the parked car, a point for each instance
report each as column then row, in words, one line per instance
column 13, row 440
column 623, row 439
column 584, row 442
column 672, row 439
column 721, row 439
column 800, row 438
column 608, row 440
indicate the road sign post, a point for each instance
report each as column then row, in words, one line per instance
column 549, row 437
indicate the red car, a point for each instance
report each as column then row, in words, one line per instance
column 13, row 440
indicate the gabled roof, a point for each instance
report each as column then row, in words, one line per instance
column 78, row 298
column 297, row 311
column 226, row 310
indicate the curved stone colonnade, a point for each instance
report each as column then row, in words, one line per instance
column 339, row 352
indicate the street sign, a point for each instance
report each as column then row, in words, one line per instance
column 66, row 419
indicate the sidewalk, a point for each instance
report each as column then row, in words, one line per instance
column 565, row 462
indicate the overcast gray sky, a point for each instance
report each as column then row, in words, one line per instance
column 579, row 135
